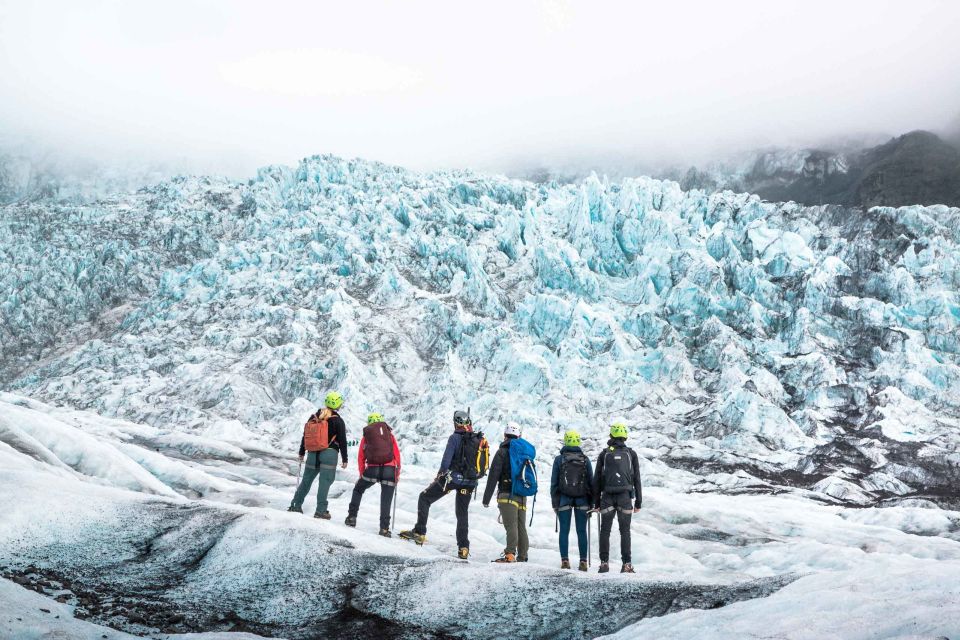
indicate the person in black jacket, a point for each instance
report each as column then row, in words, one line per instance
column 617, row 490
column 513, row 508
column 322, row 465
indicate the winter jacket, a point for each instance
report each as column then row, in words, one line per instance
column 453, row 448
column 636, row 494
column 560, row 500
column 362, row 457
column 500, row 476
column 337, row 432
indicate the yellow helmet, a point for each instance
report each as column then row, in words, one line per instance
column 618, row 430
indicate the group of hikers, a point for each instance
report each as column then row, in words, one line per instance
column 611, row 489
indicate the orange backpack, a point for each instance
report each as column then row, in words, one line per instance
column 316, row 434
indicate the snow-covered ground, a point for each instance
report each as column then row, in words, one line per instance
column 155, row 530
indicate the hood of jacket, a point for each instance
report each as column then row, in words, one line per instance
column 566, row 449
column 617, row 443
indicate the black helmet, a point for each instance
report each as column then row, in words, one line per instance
column 461, row 418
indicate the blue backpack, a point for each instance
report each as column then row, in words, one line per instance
column 523, row 473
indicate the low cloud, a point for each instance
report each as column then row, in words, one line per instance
column 235, row 85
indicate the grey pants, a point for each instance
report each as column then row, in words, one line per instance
column 513, row 512
column 321, row 466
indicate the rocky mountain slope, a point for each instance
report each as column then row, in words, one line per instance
column 915, row 168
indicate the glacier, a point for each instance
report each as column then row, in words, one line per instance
column 802, row 345
column 790, row 375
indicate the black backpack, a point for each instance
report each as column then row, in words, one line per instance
column 573, row 475
column 617, row 470
column 472, row 460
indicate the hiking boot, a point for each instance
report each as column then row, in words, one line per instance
column 505, row 558
column 463, row 553
column 295, row 509
column 627, row 568
column 604, row 567
column 583, row 565
column 522, row 559
column 564, row 564
column 386, row 533
column 350, row 521
column 323, row 516
column 413, row 536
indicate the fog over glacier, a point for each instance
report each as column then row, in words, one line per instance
column 228, row 86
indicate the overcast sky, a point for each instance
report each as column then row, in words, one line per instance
column 235, row 85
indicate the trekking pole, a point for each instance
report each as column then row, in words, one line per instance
column 393, row 520
column 599, row 532
column 556, row 521
column 589, row 526
column 299, row 465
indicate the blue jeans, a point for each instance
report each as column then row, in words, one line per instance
column 580, row 517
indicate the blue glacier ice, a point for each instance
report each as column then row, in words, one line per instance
column 732, row 333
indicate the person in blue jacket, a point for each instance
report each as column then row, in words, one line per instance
column 464, row 462
column 571, row 487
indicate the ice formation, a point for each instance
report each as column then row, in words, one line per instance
column 809, row 347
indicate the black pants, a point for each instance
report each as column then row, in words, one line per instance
column 386, row 478
column 433, row 493
column 619, row 505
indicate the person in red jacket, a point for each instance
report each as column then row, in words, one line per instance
column 379, row 461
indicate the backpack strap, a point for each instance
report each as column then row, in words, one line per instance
column 479, row 455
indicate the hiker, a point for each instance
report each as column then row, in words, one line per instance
column 464, row 462
column 513, row 508
column 324, row 435
column 571, row 490
column 617, row 491
column 379, row 462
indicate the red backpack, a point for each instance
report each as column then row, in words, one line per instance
column 378, row 443
column 316, row 433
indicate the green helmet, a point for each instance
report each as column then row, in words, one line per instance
column 618, row 430
column 333, row 400
column 571, row 439
column 374, row 417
